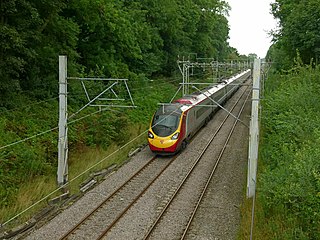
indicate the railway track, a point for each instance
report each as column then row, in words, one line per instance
column 98, row 221
column 170, row 216
column 212, row 173
column 163, row 220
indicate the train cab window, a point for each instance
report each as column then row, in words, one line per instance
column 164, row 125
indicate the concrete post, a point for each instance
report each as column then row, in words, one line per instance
column 254, row 131
column 62, row 172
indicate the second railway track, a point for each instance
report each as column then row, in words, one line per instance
column 171, row 218
column 195, row 183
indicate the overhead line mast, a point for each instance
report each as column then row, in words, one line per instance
column 62, row 172
column 205, row 63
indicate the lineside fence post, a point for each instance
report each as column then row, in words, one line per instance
column 62, row 172
column 254, row 131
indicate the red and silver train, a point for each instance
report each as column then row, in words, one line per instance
column 174, row 124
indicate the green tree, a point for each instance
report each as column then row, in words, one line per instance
column 299, row 28
column 33, row 33
column 115, row 36
column 189, row 26
column 12, row 50
column 212, row 30
column 166, row 20
column 119, row 38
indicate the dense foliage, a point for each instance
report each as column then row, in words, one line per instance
column 37, row 157
column 298, row 32
column 289, row 180
column 121, row 38
column 289, row 183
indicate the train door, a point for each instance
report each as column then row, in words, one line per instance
column 190, row 123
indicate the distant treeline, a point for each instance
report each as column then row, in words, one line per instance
column 115, row 38
column 297, row 36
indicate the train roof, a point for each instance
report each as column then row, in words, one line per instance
column 188, row 101
column 170, row 109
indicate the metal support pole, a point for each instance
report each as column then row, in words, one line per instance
column 184, row 79
column 254, row 131
column 187, row 79
column 62, row 172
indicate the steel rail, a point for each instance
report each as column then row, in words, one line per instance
column 153, row 226
column 72, row 230
column 135, row 200
column 213, row 171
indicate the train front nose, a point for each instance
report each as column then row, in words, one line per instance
column 162, row 144
column 164, row 129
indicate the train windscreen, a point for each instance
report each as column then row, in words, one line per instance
column 164, row 124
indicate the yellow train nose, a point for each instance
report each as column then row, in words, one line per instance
column 162, row 142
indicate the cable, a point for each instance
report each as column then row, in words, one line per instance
column 32, row 104
column 28, row 138
column 148, row 81
column 73, row 179
column 52, row 129
column 79, row 175
column 147, row 87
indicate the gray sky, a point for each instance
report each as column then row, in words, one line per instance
column 249, row 22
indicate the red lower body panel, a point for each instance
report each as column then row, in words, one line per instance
column 169, row 150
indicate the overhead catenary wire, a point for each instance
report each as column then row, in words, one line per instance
column 152, row 81
column 136, row 98
column 29, row 105
column 50, row 130
column 73, row 179
column 157, row 83
column 81, row 174
column 76, row 120
column 172, row 80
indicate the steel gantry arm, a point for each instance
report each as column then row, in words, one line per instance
column 62, row 172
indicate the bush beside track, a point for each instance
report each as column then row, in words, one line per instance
column 288, row 192
column 28, row 169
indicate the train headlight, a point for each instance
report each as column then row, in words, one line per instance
column 175, row 136
column 150, row 135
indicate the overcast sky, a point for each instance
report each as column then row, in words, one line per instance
column 250, row 21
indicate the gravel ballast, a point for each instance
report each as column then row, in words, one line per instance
column 218, row 216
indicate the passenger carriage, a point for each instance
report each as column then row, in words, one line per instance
column 173, row 125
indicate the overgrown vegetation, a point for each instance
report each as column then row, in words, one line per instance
column 288, row 193
column 298, row 32
column 119, row 38
column 31, row 166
